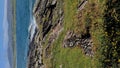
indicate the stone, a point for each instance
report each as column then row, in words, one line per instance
column 54, row 2
column 71, row 40
column 49, row 18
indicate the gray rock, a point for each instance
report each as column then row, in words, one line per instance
column 54, row 2
column 71, row 40
column 47, row 14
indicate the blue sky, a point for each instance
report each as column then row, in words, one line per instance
column 3, row 35
column 1, row 21
column 1, row 31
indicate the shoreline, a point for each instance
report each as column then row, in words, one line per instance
column 31, row 31
column 45, row 26
column 14, row 33
column 10, row 49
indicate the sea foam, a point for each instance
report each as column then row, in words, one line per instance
column 33, row 24
column 32, row 28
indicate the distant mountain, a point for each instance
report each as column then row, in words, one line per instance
column 10, row 20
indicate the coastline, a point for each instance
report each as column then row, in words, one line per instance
column 61, row 34
column 11, row 48
column 44, row 25
column 7, row 33
column 14, row 34
column 32, row 29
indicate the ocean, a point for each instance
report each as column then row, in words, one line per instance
column 24, row 22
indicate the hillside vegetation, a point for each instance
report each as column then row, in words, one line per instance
column 76, row 34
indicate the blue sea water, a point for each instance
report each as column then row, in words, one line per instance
column 23, row 20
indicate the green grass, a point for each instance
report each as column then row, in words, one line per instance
column 70, row 57
column 91, row 16
column 73, row 57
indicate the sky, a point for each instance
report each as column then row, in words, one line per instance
column 3, row 35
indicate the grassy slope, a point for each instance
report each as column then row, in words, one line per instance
column 73, row 57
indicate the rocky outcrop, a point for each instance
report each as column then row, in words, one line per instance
column 85, row 42
column 82, row 4
column 48, row 14
column 53, row 36
column 35, row 53
column 49, row 18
